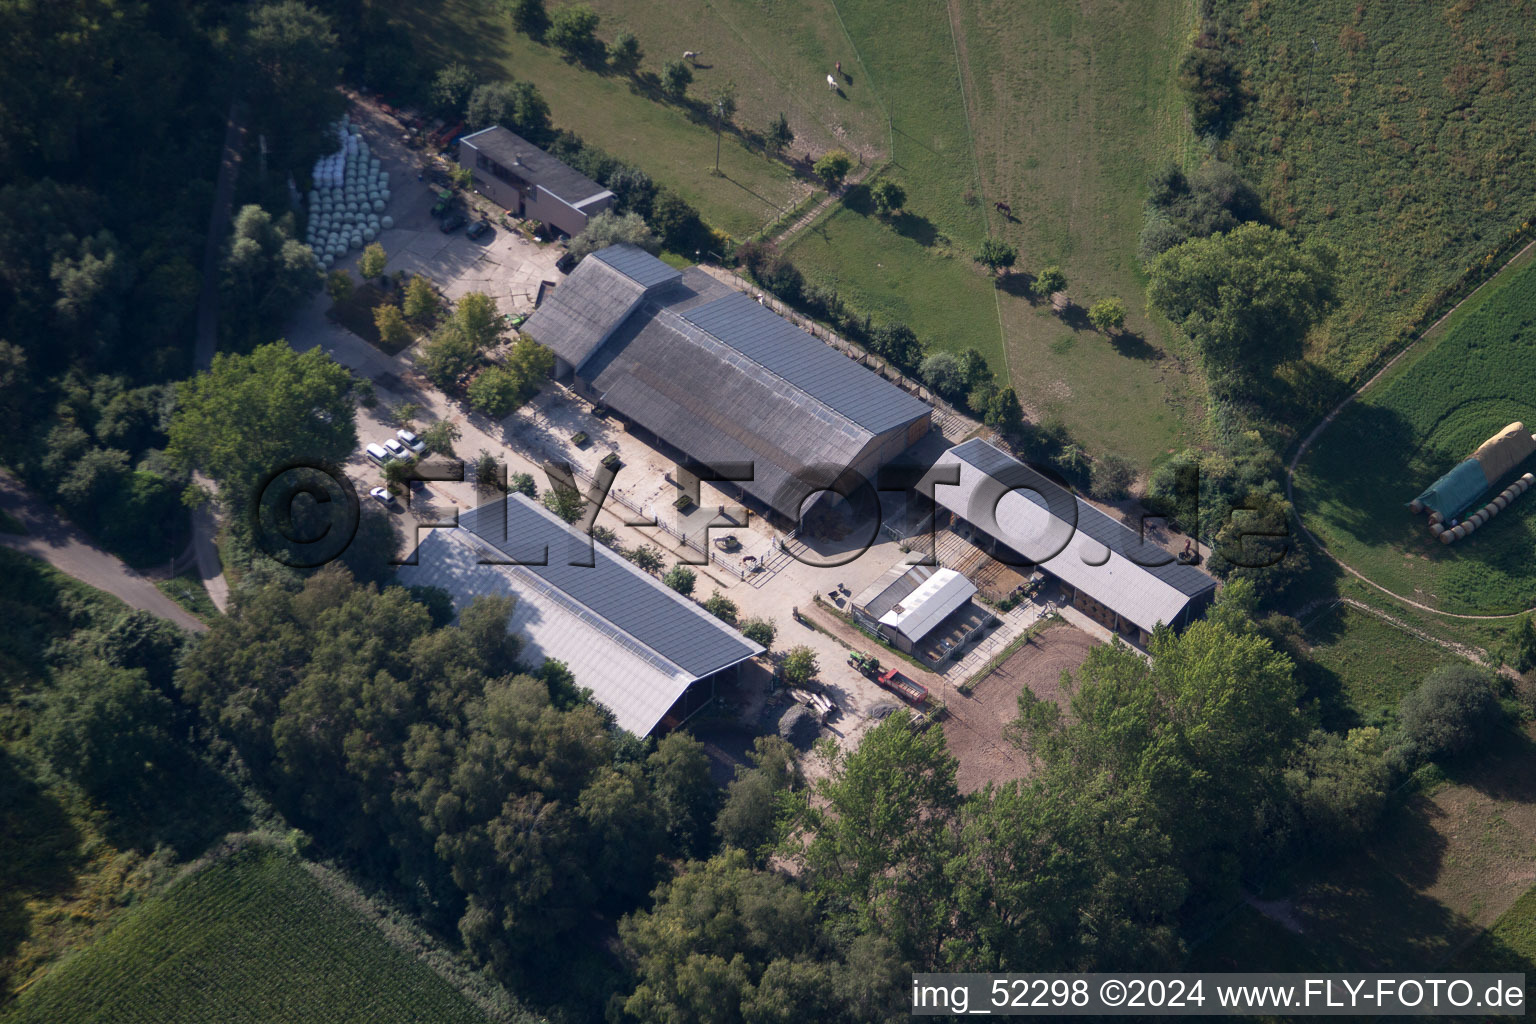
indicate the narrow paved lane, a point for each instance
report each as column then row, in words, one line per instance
column 53, row 539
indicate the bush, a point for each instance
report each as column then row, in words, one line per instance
column 523, row 484
column 496, row 390
column 394, row 333
column 721, row 607
column 676, row 77
column 799, row 665
column 1050, row 281
column 1338, row 787
column 607, row 229
column 565, row 502
column 450, row 91
column 338, row 284
column 681, row 579
column 573, row 29
column 1110, row 477
column 1453, row 708
column 941, row 371
column 529, row 17
column 759, row 631
column 833, row 168
column 1107, row 315
column 624, row 55
column 889, row 197
column 646, row 557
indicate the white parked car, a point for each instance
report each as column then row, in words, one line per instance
column 396, row 449
column 378, row 453
column 382, row 495
column 411, row 441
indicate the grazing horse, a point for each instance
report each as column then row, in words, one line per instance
column 831, row 84
column 1003, row 208
column 692, row 55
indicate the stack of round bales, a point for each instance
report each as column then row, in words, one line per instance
column 1477, row 519
column 347, row 202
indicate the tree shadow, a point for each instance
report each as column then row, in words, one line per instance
column 187, row 806
column 1134, row 346
column 1020, row 284
column 858, row 200
column 917, row 228
column 1498, row 768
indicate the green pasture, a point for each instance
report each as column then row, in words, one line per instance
column 1477, row 375
column 1360, row 666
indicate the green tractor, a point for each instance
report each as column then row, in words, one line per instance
column 867, row 664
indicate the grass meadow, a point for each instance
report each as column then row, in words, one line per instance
column 1477, row 374
column 1361, row 666
column 664, row 138
column 1401, row 133
column 251, row 937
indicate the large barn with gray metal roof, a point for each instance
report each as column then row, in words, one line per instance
column 723, row 380
column 1105, row 567
column 649, row 655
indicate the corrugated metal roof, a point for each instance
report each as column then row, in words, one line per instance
column 584, row 311
column 635, row 602
column 886, row 592
column 1067, row 536
column 533, row 165
column 626, row 677
column 928, row 605
column 638, row 265
column 763, row 336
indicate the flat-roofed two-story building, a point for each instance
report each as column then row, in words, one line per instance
column 523, row 179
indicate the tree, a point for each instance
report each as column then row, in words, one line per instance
column 516, row 106
column 624, row 53
column 680, row 578
column 1519, row 650
column 532, row 362
column 896, row 342
column 748, row 819
column 1111, row 477
column 528, row 17
column 1050, row 281
column 448, row 355
column 646, row 557
column 373, row 261
column 941, row 371
column 889, row 197
column 496, row 390
column 833, row 168
column 267, row 273
column 106, row 729
column 874, row 834
column 1206, row 730
column 607, row 229
column 421, row 304
column 1003, row 413
column 248, row 415
column 685, row 794
column 522, row 483
column 722, row 103
column 1107, row 315
column 573, row 29
column 565, row 502
column 394, row 332
column 721, row 607
column 1453, row 708
column 1338, row 787
column 676, row 77
column 974, row 368
column 450, row 91
column 799, row 665
column 292, row 66
column 779, row 135
column 338, row 284
column 996, row 255
column 440, row 437
column 477, row 316
column 759, row 631
column 1246, row 298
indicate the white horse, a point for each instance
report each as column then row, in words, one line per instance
column 691, row 55
column 831, row 84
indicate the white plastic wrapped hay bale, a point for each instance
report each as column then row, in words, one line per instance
column 384, row 194
column 369, row 234
column 386, row 222
column 378, row 206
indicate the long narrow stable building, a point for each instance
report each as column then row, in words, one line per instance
column 1105, row 568
column 648, row 654
column 719, row 378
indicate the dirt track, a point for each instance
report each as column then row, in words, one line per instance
column 974, row 728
